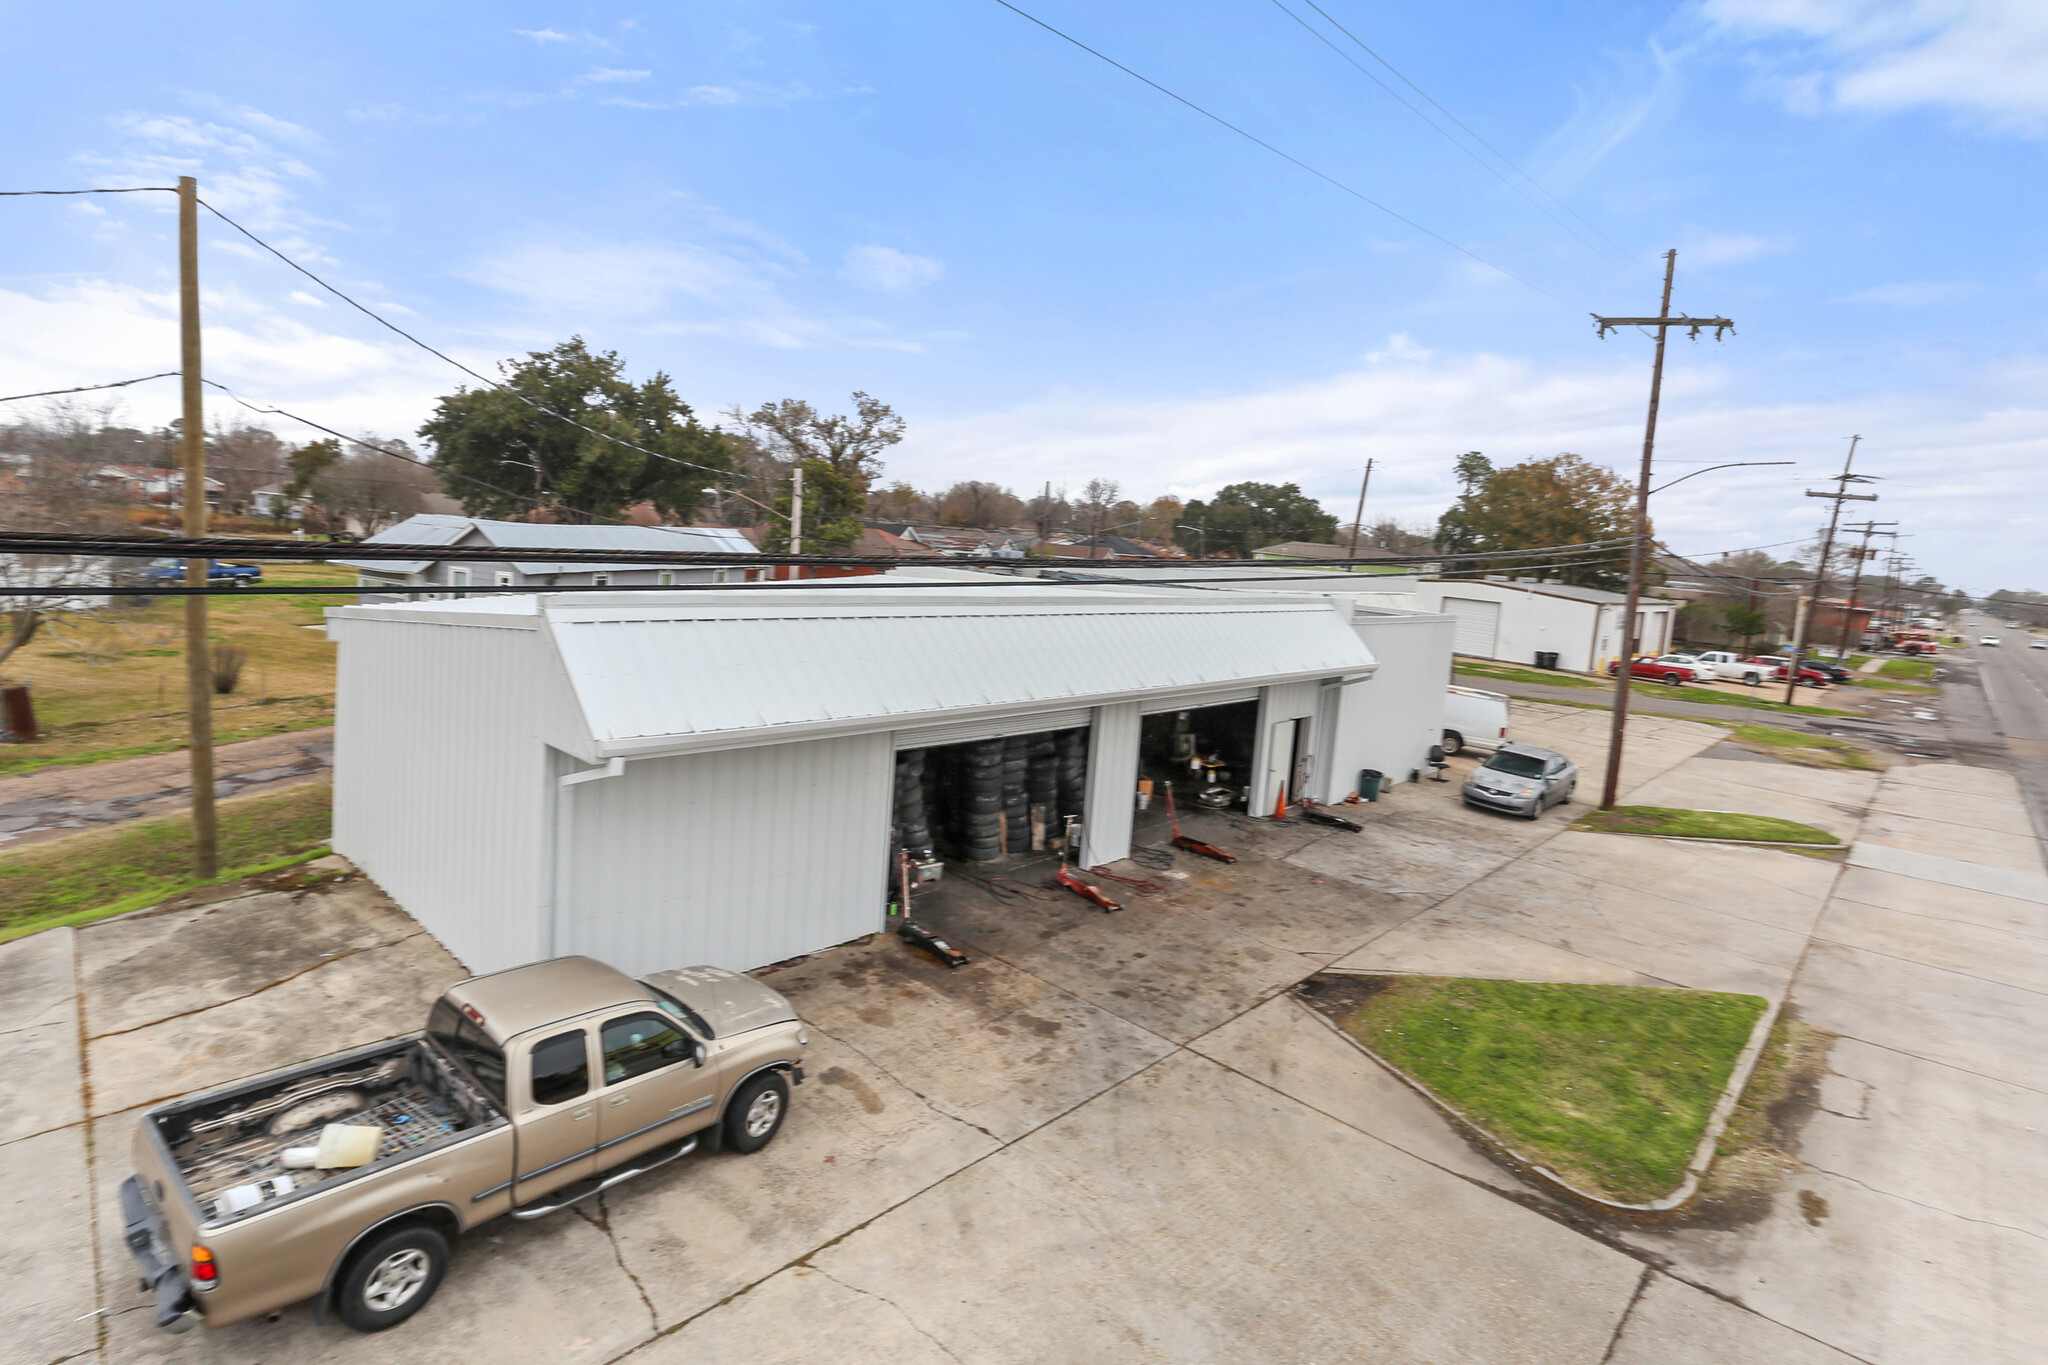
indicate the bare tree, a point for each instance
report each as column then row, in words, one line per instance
column 977, row 503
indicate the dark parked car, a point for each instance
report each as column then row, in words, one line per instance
column 234, row 575
column 1522, row 780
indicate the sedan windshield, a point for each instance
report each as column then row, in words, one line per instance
column 1517, row 765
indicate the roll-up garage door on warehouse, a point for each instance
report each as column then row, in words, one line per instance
column 1478, row 628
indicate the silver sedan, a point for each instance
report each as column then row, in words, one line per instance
column 1522, row 780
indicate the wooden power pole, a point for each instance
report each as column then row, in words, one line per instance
column 1359, row 515
column 1860, row 553
column 1624, row 673
column 1827, row 549
column 192, row 442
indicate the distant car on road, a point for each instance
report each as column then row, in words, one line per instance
column 234, row 575
column 1522, row 780
column 1665, row 668
column 1988, row 640
column 2037, row 643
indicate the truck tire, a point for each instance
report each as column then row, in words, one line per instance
column 391, row 1277
column 1454, row 743
column 755, row 1115
column 1752, row 680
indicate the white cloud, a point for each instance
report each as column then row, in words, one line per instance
column 1983, row 57
column 1946, row 454
column 886, row 269
column 669, row 289
column 582, row 38
column 1702, row 248
column 305, row 300
column 1926, row 294
column 611, row 75
column 543, row 35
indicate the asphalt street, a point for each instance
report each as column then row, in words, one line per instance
column 1996, row 700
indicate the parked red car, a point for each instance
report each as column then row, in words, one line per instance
column 1777, row 663
column 1672, row 671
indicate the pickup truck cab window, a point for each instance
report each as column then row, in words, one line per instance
column 696, row 1022
column 561, row 1068
column 639, row 1043
column 469, row 1045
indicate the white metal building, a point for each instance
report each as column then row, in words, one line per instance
column 1515, row 620
column 655, row 779
column 527, row 566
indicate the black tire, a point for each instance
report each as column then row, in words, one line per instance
column 240, row 583
column 1454, row 743
column 754, row 1115
column 1752, row 680
column 400, row 1269
column 1674, row 679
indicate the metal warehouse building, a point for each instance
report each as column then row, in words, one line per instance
column 725, row 775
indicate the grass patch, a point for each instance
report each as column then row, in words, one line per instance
column 1610, row 1086
column 1536, row 677
column 1702, row 824
column 1892, row 685
column 1911, row 670
column 1808, row 750
column 1856, row 661
column 1708, row 696
column 107, row 872
column 114, row 685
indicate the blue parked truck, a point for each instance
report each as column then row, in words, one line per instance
column 234, row 575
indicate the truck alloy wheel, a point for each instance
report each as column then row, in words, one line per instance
column 756, row 1112
column 392, row 1278
column 1454, row 743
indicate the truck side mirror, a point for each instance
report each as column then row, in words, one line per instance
column 698, row 1052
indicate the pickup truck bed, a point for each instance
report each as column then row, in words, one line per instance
column 232, row 1140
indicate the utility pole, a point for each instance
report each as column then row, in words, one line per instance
column 796, row 511
column 192, row 437
column 1827, row 545
column 1359, row 515
column 1861, row 552
column 1638, row 551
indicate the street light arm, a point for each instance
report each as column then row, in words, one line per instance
column 1737, row 464
column 744, row 498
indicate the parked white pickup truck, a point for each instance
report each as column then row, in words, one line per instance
column 1719, row 663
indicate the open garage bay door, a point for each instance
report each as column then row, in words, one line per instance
column 1478, row 629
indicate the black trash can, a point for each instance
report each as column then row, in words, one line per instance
column 1369, row 780
column 1546, row 658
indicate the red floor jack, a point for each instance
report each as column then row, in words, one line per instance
column 1085, row 891
column 916, row 935
column 1192, row 845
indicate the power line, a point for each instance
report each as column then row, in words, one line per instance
column 1478, row 139
column 482, row 379
column 132, row 189
column 83, row 388
column 1297, row 161
column 1477, row 160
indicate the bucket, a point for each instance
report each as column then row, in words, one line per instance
column 1369, row 780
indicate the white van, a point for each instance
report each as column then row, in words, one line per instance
column 1474, row 719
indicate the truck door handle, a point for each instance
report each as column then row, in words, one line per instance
column 618, row 1099
column 585, row 1112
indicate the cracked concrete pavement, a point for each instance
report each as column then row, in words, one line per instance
column 58, row 801
column 1120, row 1137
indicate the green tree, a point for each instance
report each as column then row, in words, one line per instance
column 1244, row 516
column 1742, row 620
column 1563, row 500
column 841, row 456
column 544, row 462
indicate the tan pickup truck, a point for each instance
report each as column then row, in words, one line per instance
column 529, row 1090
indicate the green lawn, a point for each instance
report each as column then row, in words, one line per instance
column 1610, row 1086
column 1855, row 661
column 105, row 872
column 1807, row 750
column 1702, row 824
column 1507, row 673
column 1893, row 685
column 1912, row 670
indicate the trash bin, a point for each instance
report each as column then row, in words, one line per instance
column 1369, row 780
column 1546, row 658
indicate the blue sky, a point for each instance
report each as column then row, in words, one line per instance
column 1056, row 272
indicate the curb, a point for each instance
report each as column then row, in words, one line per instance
column 1836, row 847
column 1696, row 1168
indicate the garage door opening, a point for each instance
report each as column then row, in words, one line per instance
column 985, row 800
column 1205, row 751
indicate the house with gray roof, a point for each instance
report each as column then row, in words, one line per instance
column 527, row 566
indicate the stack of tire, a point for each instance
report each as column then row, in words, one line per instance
column 1042, row 782
column 1071, row 748
column 913, row 818
column 980, row 795
column 1016, row 793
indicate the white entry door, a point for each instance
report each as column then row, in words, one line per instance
column 1279, row 766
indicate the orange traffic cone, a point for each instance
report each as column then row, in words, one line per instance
column 1280, row 804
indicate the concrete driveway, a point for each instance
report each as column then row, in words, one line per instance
column 1112, row 1137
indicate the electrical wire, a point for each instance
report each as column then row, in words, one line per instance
column 1475, row 136
column 84, row 388
column 1477, row 160
column 482, row 379
column 132, row 189
column 1285, row 156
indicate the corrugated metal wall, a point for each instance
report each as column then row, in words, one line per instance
column 439, row 781
column 1112, row 783
column 736, row 859
column 1281, row 702
column 1389, row 723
